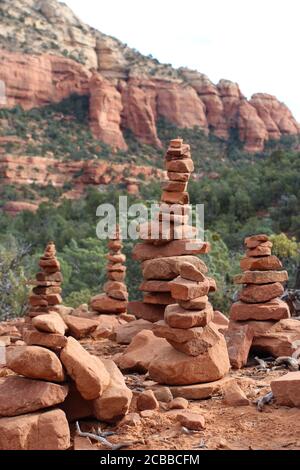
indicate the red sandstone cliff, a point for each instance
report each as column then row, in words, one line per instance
column 126, row 89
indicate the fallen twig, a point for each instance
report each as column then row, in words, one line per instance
column 265, row 400
column 262, row 364
column 101, row 439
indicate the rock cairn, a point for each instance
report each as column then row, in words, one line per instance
column 46, row 293
column 115, row 297
column 168, row 240
column 259, row 306
column 196, row 351
column 57, row 381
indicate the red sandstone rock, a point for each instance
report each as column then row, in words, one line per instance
column 179, row 403
column 147, row 401
column 50, row 323
column 158, row 298
column 199, row 303
column 175, row 186
column 253, row 293
column 266, row 263
column 115, row 401
column 239, row 339
column 180, row 166
column 190, row 272
column 261, row 277
column 75, row 406
column 35, row 431
column 155, row 286
column 273, row 310
column 126, row 333
column 36, row 363
column 149, row 312
column 105, row 112
column 20, row 395
column 182, row 289
column 178, row 176
column 87, row 371
column 104, row 304
column 80, row 327
column 286, row 389
column 234, row 395
column 199, row 391
column 175, row 197
column 169, row 268
column 190, row 420
column 259, row 251
column 36, row 338
column 172, row 367
column 144, row 251
column 177, row 317
column 140, row 352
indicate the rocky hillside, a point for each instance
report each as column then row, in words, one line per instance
column 47, row 54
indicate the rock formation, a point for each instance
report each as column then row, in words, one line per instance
column 195, row 351
column 56, row 380
column 254, row 317
column 115, row 297
column 47, row 54
column 47, row 286
column 168, row 241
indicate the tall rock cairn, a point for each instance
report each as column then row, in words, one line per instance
column 46, row 293
column 259, row 306
column 197, row 351
column 115, row 297
column 168, row 239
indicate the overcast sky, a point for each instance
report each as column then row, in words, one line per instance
column 252, row 42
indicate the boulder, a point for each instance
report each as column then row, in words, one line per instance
column 265, row 263
column 145, row 251
column 87, row 371
column 125, row 333
column 261, row 277
column 182, row 289
column 149, row 312
column 191, row 420
column 50, row 323
column 35, row 362
column 20, row 395
column 36, row 431
column 114, row 403
column 147, row 401
column 234, row 395
column 80, row 327
column 199, row 391
column 169, row 268
column 239, row 339
column 274, row 310
column 177, row 317
column 172, row 367
column 286, row 389
column 104, row 304
column 140, row 352
column 253, row 293
column 107, row 325
column 48, row 340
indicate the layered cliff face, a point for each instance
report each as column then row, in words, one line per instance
column 48, row 53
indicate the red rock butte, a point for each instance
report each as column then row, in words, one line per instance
column 126, row 89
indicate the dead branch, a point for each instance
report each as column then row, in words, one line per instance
column 265, row 400
column 101, row 438
column 290, row 362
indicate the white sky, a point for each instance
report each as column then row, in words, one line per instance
column 252, row 42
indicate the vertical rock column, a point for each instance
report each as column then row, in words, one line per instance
column 259, row 307
column 46, row 293
column 115, row 297
column 168, row 241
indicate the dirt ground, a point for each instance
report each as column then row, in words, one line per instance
column 227, row 427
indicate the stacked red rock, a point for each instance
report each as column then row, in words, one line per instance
column 46, row 293
column 196, row 352
column 259, row 306
column 115, row 297
column 168, row 240
column 57, row 381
